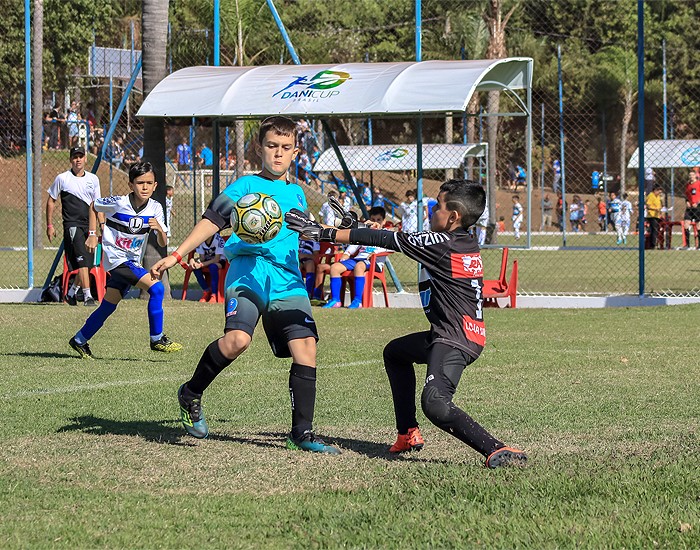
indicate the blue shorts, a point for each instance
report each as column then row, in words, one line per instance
column 124, row 276
column 350, row 263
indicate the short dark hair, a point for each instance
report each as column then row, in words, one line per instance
column 377, row 211
column 139, row 169
column 466, row 197
column 168, row 187
column 280, row 125
column 657, row 186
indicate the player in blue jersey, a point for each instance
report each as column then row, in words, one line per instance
column 263, row 280
column 128, row 221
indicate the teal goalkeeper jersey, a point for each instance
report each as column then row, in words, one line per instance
column 283, row 250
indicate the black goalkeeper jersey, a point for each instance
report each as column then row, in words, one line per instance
column 450, row 282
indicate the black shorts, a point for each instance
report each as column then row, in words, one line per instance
column 124, row 276
column 692, row 214
column 283, row 319
column 74, row 243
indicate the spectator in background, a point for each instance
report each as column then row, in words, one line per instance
column 210, row 255
column 501, row 225
column 692, row 206
column 409, row 216
column 653, row 214
column 624, row 218
column 115, row 153
column 576, row 213
column 207, row 156
column 72, row 124
column 56, row 119
column 556, row 182
column 547, row 208
column 169, row 192
column 377, row 197
column 326, row 212
column 584, row 218
column 184, row 155
column 613, row 207
column 649, row 180
column 345, row 199
column 561, row 206
column 315, row 153
column 520, row 176
column 602, row 213
column 428, row 203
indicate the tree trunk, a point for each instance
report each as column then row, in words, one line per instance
column 496, row 50
column 154, row 25
column 472, row 108
column 449, row 130
column 626, row 119
column 37, row 118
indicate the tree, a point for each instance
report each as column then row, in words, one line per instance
column 154, row 24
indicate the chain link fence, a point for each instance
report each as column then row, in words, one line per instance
column 583, row 139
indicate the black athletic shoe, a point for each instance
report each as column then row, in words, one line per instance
column 191, row 413
column 166, row 345
column 90, row 302
column 71, row 300
column 506, row 456
column 82, row 349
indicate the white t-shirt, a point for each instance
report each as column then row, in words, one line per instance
column 208, row 251
column 361, row 252
column 409, row 218
column 327, row 214
column 126, row 230
column 76, row 194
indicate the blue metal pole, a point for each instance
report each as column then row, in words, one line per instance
column 562, row 149
column 640, row 138
column 283, row 32
column 369, row 130
column 216, row 148
column 111, row 121
column 542, row 167
column 419, row 127
column 194, row 171
column 605, row 171
column 28, row 141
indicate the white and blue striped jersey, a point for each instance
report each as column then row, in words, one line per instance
column 126, row 229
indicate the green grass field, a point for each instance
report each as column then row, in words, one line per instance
column 604, row 401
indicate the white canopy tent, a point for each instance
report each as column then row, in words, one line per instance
column 349, row 89
column 436, row 156
column 668, row 153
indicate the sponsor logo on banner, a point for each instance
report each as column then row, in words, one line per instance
column 467, row 266
column 475, row 331
column 397, row 153
column 126, row 243
column 691, row 157
column 231, row 306
column 320, row 86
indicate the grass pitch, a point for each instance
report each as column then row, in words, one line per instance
column 604, row 401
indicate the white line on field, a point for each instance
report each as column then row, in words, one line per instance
column 138, row 382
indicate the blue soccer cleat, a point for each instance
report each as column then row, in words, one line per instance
column 332, row 304
column 191, row 413
column 309, row 442
column 355, row 304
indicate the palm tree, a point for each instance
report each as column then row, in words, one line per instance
column 154, row 26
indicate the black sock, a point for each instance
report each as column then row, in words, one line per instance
column 687, row 237
column 302, row 390
column 210, row 365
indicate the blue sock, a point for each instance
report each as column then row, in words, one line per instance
column 95, row 321
column 318, row 292
column 155, row 310
column 214, row 277
column 359, row 288
column 310, row 280
column 200, row 279
column 335, row 288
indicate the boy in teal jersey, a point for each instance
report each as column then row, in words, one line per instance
column 263, row 280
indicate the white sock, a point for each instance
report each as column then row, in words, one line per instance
column 86, row 294
column 72, row 290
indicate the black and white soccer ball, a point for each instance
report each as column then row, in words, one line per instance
column 256, row 218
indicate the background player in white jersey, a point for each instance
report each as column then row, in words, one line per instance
column 129, row 219
column 77, row 190
column 623, row 218
column 451, row 279
column 211, row 256
column 517, row 216
column 356, row 259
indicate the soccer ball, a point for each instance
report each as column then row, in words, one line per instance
column 256, row 218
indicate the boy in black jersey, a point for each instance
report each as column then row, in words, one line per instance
column 450, row 284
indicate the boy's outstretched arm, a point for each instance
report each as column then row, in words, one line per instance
column 200, row 233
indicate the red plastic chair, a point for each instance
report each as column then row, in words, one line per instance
column 97, row 275
column 500, row 288
column 222, row 279
column 371, row 274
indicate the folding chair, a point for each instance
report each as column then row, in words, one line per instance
column 371, row 274
column 97, row 275
column 500, row 288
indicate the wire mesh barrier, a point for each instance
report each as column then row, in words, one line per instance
column 573, row 230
